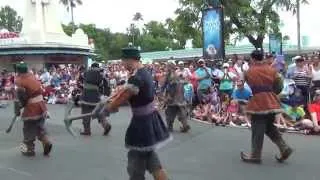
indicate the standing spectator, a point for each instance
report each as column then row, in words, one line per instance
column 204, row 79
column 240, row 68
column 123, row 74
column 301, row 77
column 182, row 71
column 279, row 63
column 316, row 71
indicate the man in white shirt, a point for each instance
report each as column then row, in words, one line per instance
column 182, row 71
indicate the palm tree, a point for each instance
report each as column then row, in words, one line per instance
column 71, row 4
column 133, row 26
column 137, row 16
column 294, row 5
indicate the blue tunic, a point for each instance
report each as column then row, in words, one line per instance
column 147, row 131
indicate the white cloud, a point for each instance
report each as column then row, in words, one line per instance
column 113, row 14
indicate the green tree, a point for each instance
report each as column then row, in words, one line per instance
column 10, row 20
column 251, row 19
column 157, row 37
column 137, row 17
column 107, row 44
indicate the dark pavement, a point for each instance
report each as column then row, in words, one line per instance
column 205, row 153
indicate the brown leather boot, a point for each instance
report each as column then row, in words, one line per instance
column 46, row 144
column 250, row 158
column 185, row 129
column 27, row 150
column 285, row 150
column 160, row 175
column 85, row 133
column 107, row 130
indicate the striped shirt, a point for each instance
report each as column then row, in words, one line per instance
column 301, row 77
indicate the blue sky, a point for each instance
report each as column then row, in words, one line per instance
column 117, row 15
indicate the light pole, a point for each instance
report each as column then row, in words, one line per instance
column 298, row 27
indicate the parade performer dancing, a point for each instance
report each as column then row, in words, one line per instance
column 29, row 97
column 91, row 96
column 175, row 101
column 147, row 131
column 265, row 83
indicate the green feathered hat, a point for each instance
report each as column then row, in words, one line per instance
column 130, row 53
column 22, row 67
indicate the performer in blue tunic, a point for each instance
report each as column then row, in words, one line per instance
column 147, row 131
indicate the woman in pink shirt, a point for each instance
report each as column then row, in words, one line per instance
column 193, row 77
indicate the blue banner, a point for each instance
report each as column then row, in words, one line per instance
column 275, row 44
column 212, row 26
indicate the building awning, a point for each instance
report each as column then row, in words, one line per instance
column 198, row 52
column 46, row 51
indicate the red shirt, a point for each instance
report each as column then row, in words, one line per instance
column 194, row 81
column 315, row 108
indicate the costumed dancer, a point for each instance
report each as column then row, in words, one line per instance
column 29, row 97
column 91, row 96
column 147, row 131
column 175, row 101
column 265, row 83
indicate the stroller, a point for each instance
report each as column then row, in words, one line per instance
column 289, row 87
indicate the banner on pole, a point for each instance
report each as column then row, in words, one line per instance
column 212, row 27
column 275, row 43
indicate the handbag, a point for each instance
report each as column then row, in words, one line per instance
column 225, row 85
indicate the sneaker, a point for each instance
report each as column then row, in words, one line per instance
column 232, row 124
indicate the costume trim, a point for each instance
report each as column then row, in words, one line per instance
column 43, row 115
column 272, row 111
column 36, row 99
column 156, row 146
column 144, row 110
column 132, row 88
column 90, row 86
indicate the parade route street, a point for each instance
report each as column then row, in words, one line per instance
column 206, row 153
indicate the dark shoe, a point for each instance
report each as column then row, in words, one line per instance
column 28, row 153
column 185, row 129
column 85, row 133
column 248, row 158
column 284, row 155
column 47, row 149
column 107, row 129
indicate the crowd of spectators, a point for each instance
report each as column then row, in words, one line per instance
column 219, row 93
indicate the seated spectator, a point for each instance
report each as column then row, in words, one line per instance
column 241, row 93
column 314, row 109
column 200, row 112
column 295, row 111
column 49, row 93
column 232, row 113
column 62, row 94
